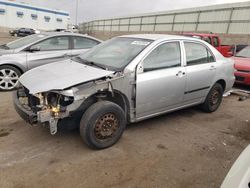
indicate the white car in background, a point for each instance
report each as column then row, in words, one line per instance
column 239, row 175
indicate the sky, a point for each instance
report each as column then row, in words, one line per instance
column 89, row 10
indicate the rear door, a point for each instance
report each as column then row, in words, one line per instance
column 82, row 44
column 49, row 50
column 200, row 71
column 161, row 85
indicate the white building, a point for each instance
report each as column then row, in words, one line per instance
column 17, row 15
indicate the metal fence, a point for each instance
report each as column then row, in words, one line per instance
column 228, row 18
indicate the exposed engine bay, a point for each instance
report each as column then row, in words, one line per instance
column 48, row 106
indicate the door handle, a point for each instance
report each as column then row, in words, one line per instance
column 212, row 68
column 180, row 73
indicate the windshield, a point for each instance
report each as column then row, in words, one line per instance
column 116, row 53
column 244, row 53
column 24, row 41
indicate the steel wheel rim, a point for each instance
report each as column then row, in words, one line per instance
column 8, row 79
column 106, row 126
column 215, row 97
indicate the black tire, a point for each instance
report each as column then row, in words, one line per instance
column 213, row 99
column 100, row 119
column 16, row 75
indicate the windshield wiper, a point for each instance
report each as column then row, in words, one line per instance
column 4, row 46
column 86, row 62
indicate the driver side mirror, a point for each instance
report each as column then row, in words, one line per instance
column 34, row 49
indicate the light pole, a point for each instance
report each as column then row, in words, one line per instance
column 76, row 12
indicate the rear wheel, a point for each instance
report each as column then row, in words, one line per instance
column 102, row 124
column 9, row 78
column 213, row 99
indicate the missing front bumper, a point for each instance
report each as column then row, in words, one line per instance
column 32, row 118
column 27, row 115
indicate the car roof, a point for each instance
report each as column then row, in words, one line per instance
column 201, row 34
column 60, row 33
column 156, row 36
column 50, row 34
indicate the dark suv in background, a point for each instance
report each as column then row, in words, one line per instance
column 22, row 32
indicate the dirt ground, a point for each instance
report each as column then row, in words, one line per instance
column 187, row 148
column 5, row 38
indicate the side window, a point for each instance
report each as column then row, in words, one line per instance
column 164, row 56
column 216, row 41
column 83, row 43
column 54, row 43
column 197, row 54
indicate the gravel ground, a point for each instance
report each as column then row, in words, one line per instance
column 187, row 148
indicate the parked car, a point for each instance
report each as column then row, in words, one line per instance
column 37, row 31
column 215, row 41
column 239, row 174
column 242, row 66
column 61, row 30
column 22, row 32
column 124, row 80
column 239, row 47
column 39, row 49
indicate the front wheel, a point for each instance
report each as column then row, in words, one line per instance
column 213, row 99
column 102, row 124
column 9, row 78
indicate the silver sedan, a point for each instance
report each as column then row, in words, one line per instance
column 124, row 80
column 24, row 54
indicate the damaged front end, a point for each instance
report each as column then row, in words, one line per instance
column 57, row 108
column 44, row 108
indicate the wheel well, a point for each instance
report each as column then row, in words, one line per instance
column 11, row 65
column 222, row 83
column 117, row 98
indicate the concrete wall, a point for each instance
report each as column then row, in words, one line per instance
column 233, row 19
column 226, row 38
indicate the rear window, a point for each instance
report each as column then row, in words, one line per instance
column 84, row 43
column 197, row 54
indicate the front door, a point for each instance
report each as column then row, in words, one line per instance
column 161, row 85
column 48, row 51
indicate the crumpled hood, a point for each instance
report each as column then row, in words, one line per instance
column 60, row 75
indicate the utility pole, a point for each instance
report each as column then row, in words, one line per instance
column 76, row 12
